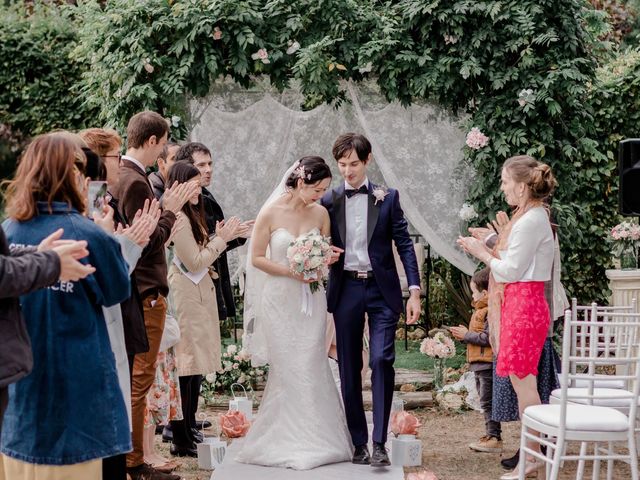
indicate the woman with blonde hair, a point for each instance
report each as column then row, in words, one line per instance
column 50, row 424
column 521, row 263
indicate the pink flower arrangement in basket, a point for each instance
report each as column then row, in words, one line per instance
column 309, row 255
column 234, row 424
column 404, row 423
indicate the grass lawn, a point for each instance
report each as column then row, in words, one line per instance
column 413, row 359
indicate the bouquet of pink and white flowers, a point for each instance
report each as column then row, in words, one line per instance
column 626, row 241
column 438, row 346
column 626, row 232
column 309, row 256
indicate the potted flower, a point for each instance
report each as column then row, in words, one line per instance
column 439, row 347
column 625, row 238
column 406, row 449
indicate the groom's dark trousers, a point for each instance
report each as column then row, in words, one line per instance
column 360, row 296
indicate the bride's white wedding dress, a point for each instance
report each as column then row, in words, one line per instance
column 301, row 422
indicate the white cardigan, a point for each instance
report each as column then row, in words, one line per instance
column 529, row 256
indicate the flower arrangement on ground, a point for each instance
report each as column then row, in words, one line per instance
column 625, row 238
column 234, row 424
column 309, row 256
column 404, row 423
column 439, row 347
column 422, row 475
column 236, row 368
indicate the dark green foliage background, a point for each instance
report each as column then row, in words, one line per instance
column 38, row 80
column 86, row 65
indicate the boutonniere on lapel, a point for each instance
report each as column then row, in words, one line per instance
column 379, row 193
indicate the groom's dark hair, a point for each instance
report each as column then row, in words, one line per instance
column 348, row 142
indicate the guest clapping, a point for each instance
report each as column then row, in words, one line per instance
column 53, row 412
column 147, row 135
column 200, row 157
column 24, row 270
column 520, row 264
column 190, row 277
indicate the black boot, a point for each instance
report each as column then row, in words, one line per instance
column 167, row 434
column 197, row 435
column 183, row 450
column 510, row 463
column 200, row 424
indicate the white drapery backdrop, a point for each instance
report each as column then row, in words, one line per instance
column 255, row 135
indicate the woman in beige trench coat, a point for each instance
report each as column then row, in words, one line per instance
column 198, row 351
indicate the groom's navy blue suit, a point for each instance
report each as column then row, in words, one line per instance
column 379, row 296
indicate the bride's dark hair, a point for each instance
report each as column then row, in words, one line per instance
column 312, row 170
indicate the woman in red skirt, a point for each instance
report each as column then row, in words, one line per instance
column 520, row 263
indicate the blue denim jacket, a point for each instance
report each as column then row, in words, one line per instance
column 69, row 409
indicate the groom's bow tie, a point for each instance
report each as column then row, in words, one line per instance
column 350, row 192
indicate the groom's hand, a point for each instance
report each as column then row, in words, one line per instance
column 335, row 254
column 413, row 307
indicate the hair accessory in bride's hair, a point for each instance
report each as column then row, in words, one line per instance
column 300, row 173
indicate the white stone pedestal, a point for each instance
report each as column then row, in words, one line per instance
column 625, row 286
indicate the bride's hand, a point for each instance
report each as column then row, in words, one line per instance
column 300, row 277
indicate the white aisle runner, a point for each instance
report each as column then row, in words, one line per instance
column 232, row 470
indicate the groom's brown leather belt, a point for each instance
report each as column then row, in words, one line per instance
column 359, row 275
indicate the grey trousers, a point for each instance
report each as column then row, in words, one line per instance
column 484, row 385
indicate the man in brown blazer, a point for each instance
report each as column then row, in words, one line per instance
column 147, row 134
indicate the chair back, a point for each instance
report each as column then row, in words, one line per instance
column 584, row 311
column 596, row 342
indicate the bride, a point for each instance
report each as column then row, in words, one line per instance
column 301, row 422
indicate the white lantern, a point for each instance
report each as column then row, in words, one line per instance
column 241, row 404
column 211, row 453
column 406, row 451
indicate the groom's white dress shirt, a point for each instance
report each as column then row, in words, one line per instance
column 356, row 249
column 356, row 254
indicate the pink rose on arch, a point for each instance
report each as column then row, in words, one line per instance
column 217, row 33
column 261, row 55
column 476, row 139
column 234, row 424
column 404, row 423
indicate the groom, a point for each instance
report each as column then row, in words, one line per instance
column 365, row 220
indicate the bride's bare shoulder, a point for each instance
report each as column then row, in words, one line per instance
column 319, row 211
column 270, row 213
